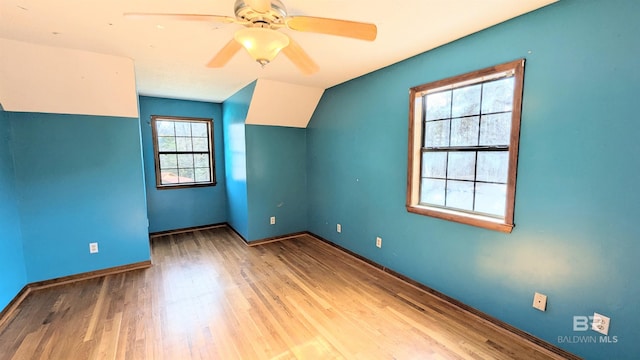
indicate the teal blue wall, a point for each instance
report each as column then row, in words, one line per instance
column 69, row 180
column 235, row 111
column 13, row 276
column 188, row 207
column 266, row 173
column 576, row 237
column 277, row 182
column 78, row 180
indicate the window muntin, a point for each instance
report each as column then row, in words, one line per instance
column 183, row 150
column 463, row 145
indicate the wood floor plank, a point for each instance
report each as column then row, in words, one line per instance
column 209, row 296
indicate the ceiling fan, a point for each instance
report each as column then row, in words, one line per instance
column 261, row 37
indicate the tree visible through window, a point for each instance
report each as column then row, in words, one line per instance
column 463, row 142
column 183, row 151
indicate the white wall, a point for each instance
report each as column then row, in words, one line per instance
column 44, row 79
column 282, row 104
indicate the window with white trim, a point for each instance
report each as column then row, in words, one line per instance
column 463, row 146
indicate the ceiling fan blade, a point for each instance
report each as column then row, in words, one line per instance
column 352, row 29
column 187, row 17
column 261, row 6
column 300, row 58
column 225, row 54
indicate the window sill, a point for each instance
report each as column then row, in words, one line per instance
column 463, row 218
column 183, row 186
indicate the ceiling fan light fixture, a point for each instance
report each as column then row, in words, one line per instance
column 262, row 44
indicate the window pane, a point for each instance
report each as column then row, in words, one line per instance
column 185, row 161
column 491, row 198
column 497, row 96
column 460, row 194
column 464, row 131
column 200, row 144
column 169, row 176
column 199, row 130
column 436, row 133
column 462, row 165
column 201, row 160
column 185, row 175
column 164, row 128
column 166, row 143
column 168, row 161
column 183, row 128
column 432, row 192
column 203, row 174
column 438, row 106
column 493, row 166
column 466, row 101
column 434, row 164
column 183, row 144
column 495, row 129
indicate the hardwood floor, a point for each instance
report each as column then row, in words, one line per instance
column 209, row 296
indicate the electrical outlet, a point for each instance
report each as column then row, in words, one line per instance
column 272, row 220
column 540, row 301
column 378, row 241
column 600, row 324
column 93, row 248
column 339, row 228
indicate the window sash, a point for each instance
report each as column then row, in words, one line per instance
column 476, row 193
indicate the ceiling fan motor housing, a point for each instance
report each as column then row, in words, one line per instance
column 274, row 18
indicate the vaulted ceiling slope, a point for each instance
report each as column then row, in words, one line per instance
column 170, row 56
column 46, row 79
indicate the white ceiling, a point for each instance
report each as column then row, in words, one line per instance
column 170, row 56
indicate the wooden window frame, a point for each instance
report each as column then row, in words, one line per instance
column 416, row 127
column 211, row 152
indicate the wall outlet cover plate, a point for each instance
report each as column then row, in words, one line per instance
column 600, row 324
column 540, row 301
